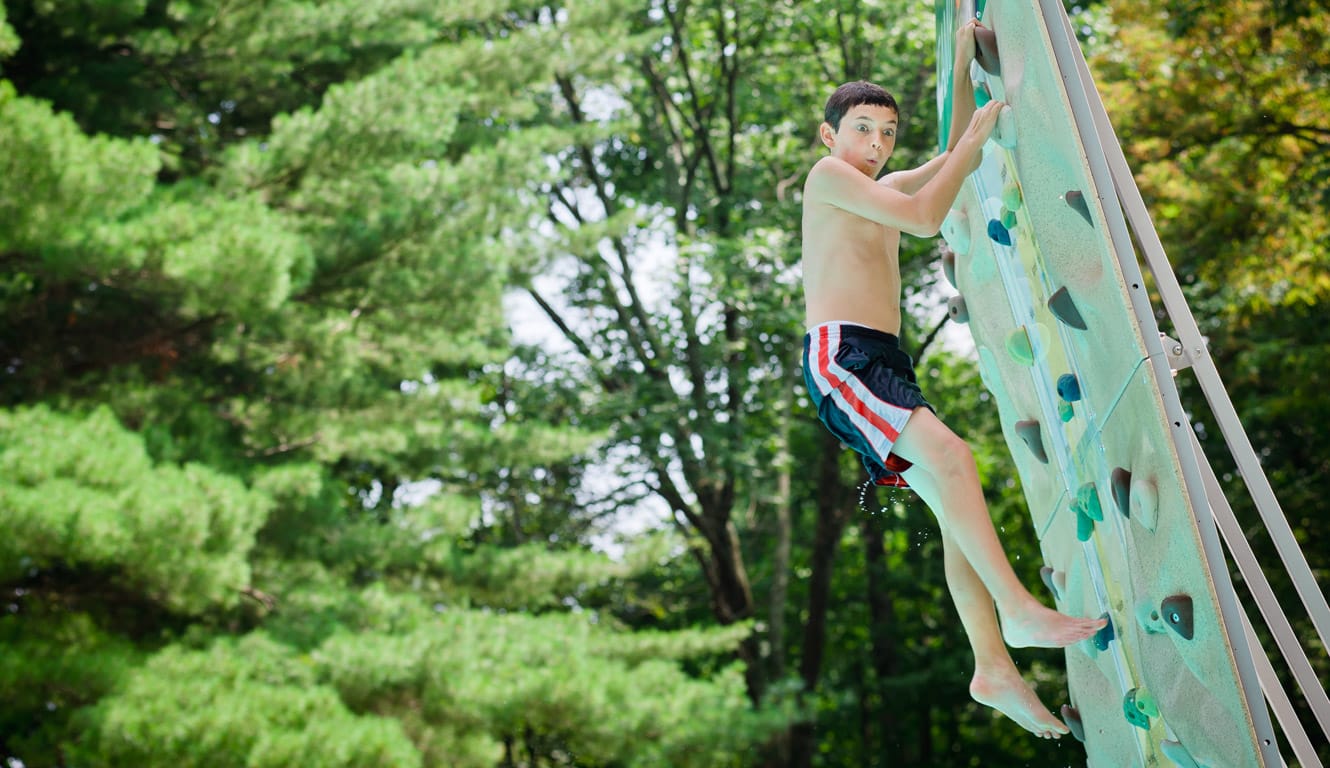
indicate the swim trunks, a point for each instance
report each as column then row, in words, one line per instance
column 864, row 388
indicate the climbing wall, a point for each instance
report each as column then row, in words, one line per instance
column 1075, row 369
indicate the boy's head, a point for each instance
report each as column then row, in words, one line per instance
column 851, row 95
column 860, row 126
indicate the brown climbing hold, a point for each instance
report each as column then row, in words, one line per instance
column 949, row 266
column 1028, row 430
column 986, row 50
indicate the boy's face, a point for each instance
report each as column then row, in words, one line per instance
column 866, row 138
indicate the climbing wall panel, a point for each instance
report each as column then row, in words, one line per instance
column 1071, row 365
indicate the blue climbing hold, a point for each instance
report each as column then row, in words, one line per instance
column 998, row 233
column 1069, row 387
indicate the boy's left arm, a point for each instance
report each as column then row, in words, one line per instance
column 962, row 110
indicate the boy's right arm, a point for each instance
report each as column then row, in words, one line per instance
column 835, row 182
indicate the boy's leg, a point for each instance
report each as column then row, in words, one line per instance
column 996, row 682
column 937, row 452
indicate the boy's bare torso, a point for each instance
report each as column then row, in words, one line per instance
column 851, row 269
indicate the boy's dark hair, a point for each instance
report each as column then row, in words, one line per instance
column 852, row 95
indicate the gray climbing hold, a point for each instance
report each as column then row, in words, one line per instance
column 1064, row 308
column 956, row 309
column 1177, row 614
column 1121, row 482
column 1076, row 200
column 1072, row 717
column 1028, row 430
column 1046, row 574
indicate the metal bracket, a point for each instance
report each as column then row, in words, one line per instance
column 1179, row 359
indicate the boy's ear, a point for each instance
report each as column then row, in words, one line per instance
column 827, row 134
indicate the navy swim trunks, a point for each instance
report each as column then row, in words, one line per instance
column 864, row 388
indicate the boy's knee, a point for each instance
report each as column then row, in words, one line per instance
column 955, row 456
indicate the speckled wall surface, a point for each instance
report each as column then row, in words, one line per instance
column 1075, row 375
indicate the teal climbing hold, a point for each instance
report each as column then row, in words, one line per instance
column 1072, row 717
column 1065, row 411
column 1069, row 387
column 1121, row 482
column 1087, row 496
column 1028, row 431
column 998, row 233
column 1084, row 525
column 1177, row 614
column 1134, row 715
column 1104, row 636
column 982, row 95
column 1064, row 308
column 1076, row 200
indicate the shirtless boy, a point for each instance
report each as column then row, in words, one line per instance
column 864, row 386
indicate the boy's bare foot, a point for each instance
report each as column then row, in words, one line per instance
column 1007, row 692
column 1037, row 626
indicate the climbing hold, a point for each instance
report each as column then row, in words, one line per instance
column 1121, row 482
column 1176, row 611
column 1148, row 618
column 1069, row 387
column 1087, row 496
column 1046, row 573
column 981, row 95
column 1064, row 308
column 1004, row 133
column 986, row 50
column 1146, row 703
column 1065, row 411
column 1174, row 751
column 1104, row 636
column 1076, row 200
column 1145, row 502
column 1072, row 717
column 1019, row 346
column 1134, row 715
column 1084, row 525
column 949, row 266
column 956, row 231
column 998, row 233
column 1011, row 196
column 1028, row 431
column 956, row 309
column 1008, row 218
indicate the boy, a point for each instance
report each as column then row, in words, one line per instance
column 864, row 386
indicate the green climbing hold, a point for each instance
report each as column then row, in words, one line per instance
column 1019, row 346
column 1011, row 196
column 1008, row 218
column 1146, row 703
column 1065, row 411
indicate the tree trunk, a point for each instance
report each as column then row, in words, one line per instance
column 832, row 513
column 881, row 613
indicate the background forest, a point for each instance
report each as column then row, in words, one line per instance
column 415, row 383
